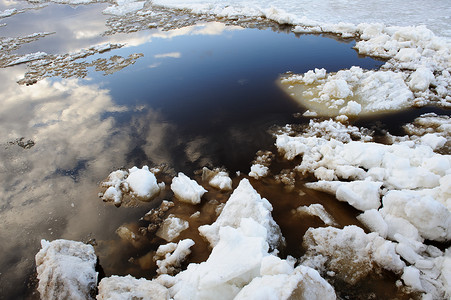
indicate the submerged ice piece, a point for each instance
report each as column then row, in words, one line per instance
column 66, row 270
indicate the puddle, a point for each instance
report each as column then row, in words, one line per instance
column 203, row 95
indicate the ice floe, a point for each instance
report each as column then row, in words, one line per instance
column 139, row 183
column 171, row 228
column 395, row 185
column 66, row 269
column 245, row 202
column 186, row 189
column 169, row 257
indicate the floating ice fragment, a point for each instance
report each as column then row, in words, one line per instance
column 186, row 189
column 142, row 183
column 258, row 170
column 171, row 228
column 169, row 257
column 244, row 202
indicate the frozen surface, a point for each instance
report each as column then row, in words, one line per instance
column 400, row 13
column 244, row 202
column 417, row 70
column 28, row 57
column 66, row 270
column 186, row 189
column 124, row 7
column 128, row 287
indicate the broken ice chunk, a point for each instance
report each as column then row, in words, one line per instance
column 66, row 270
column 171, row 228
column 186, row 189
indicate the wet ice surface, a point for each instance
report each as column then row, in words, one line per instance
column 194, row 96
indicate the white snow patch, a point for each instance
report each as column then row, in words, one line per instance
column 140, row 183
column 363, row 195
column 221, row 181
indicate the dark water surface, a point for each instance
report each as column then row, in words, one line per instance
column 204, row 95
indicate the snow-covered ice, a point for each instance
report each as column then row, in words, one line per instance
column 139, row 183
column 349, row 92
column 169, row 257
column 217, row 178
column 186, row 189
column 239, row 266
column 402, row 189
column 244, row 202
column 66, row 270
column 329, row 249
column 258, row 170
column 171, row 228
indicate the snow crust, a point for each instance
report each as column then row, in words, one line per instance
column 28, row 58
column 186, row 189
column 66, row 270
column 244, row 202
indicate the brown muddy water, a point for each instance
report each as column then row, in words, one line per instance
column 203, row 95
